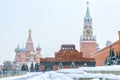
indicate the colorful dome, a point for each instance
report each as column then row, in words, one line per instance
column 38, row 48
column 22, row 49
column 17, row 49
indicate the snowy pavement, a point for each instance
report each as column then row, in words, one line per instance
column 69, row 74
column 27, row 76
column 51, row 75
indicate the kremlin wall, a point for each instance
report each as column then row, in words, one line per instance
column 102, row 54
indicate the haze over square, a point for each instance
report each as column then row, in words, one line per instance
column 54, row 23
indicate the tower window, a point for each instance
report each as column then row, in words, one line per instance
column 88, row 20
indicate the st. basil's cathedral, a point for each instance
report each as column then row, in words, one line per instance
column 28, row 54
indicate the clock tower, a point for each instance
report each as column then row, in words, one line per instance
column 87, row 40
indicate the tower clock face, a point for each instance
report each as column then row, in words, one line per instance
column 88, row 32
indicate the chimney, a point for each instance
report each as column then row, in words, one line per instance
column 119, row 35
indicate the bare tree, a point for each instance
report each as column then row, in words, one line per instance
column 8, row 65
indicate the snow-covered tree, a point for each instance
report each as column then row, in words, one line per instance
column 72, row 65
column 60, row 66
column 37, row 67
column 24, row 67
column 111, row 59
column 118, row 58
column 32, row 67
column 85, row 64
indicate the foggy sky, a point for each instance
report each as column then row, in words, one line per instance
column 54, row 22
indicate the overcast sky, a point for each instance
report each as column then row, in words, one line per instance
column 54, row 22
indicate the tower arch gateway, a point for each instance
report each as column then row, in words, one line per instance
column 87, row 40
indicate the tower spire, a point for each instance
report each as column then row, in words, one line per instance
column 87, row 12
column 29, row 43
column 87, row 40
column 29, row 37
column 87, row 32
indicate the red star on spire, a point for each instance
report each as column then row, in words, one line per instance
column 87, row 2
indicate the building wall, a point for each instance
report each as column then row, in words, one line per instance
column 68, row 56
column 65, row 57
column 52, row 65
column 87, row 47
column 101, row 55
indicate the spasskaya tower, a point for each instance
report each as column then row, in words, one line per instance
column 87, row 40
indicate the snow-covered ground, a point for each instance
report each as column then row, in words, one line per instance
column 51, row 75
column 101, row 68
column 69, row 74
column 26, row 76
column 55, row 76
column 80, row 72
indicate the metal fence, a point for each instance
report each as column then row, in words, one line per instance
column 11, row 73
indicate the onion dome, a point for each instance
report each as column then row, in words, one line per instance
column 22, row 49
column 17, row 49
column 38, row 48
column 30, row 30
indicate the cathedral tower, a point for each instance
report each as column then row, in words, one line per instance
column 38, row 53
column 27, row 54
column 87, row 40
column 29, row 43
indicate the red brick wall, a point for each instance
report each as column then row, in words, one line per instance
column 87, row 47
column 101, row 55
column 68, row 56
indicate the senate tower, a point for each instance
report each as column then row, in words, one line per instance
column 87, row 40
